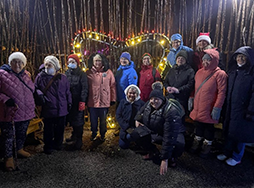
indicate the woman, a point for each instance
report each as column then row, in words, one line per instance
column 125, row 75
column 240, row 105
column 126, row 112
column 58, row 101
column 210, row 92
column 79, row 92
column 16, row 106
column 102, row 93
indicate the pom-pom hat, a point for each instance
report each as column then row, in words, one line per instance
column 203, row 36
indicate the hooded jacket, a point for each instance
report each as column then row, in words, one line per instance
column 212, row 93
column 12, row 88
column 125, row 76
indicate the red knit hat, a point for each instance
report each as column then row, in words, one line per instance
column 74, row 56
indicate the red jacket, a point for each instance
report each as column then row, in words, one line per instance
column 146, row 79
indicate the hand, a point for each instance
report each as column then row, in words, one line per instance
column 216, row 113
column 10, row 102
column 81, row 106
column 164, row 167
column 174, row 90
column 169, row 89
column 137, row 123
column 112, row 103
column 190, row 103
column 69, row 107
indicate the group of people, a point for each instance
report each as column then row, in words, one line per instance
column 150, row 110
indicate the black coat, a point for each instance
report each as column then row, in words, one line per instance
column 125, row 114
column 240, row 95
column 79, row 91
column 182, row 78
column 166, row 122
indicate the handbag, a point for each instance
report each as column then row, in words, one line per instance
column 142, row 131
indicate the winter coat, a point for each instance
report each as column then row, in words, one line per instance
column 79, row 92
column 146, row 79
column 57, row 97
column 102, row 88
column 125, row 114
column 125, row 76
column 240, row 95
column 197, row 59
column 182, row 78
column 165, row 123
column 212, row 93
column 12, row 88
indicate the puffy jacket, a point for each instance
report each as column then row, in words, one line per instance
column 165, row 122
column 58, row 95
column 12, row 88
column 182, row 78
column 146, row 79
column 125, row 76
column 102, row 88
column 212, row 93
column 240, row 95
column 125, row 114
column 79, row 91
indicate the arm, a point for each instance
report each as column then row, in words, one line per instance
column 120, row 116
column 250, row 109
column 190, row 84
column 112, row 87
column 221, row 80
column 133, row 77
column 84, row 87
column 157, row 76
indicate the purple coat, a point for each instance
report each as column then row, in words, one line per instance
column 12, row 88
column 58, row 95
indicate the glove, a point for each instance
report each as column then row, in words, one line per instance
column 112, row 103
column 69, row 107
column 249, row 117
column 81, row 106
column 10, row 102
column 190, row 103
column 216, row 113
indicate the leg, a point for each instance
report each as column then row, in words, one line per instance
column 48, row 135
column 94, row 121
column 124, row 144
column 179, row 147
column 103, row 127
column 238, row 151
column 59, row 132
column 199, row 131
column 7, row 136
column 207, row 143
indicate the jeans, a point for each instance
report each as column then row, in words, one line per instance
column 96, row 113
column 8, row 131
column 124, row 144
column 234, row 149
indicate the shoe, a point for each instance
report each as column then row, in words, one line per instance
column 93, row 138
column 102, row 138
column 78, row 144
column 205, row 150
column 148, row 156
column 232, row 162
column 9, row 164
column 172, row 163
column 221, row 157
column 22, row 153
column 195, row 146
column 71, row 139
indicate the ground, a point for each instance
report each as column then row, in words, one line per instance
column 103, row 164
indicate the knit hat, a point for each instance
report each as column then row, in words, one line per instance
column 17, row 55
column 157, row 90
column 74, row 56
column 54, row 61
column 203, row 36
column 132, row 85
column 182, row 53
column 126, row 55
column 146, row 54
column 207, row 56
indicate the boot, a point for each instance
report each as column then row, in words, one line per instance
column 195, row 145
column 79, row 135
column 22, row 153
column 9, row 164
column 206, row 148
column 73, row 136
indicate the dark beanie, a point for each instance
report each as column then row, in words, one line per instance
column 157, row 91
column 182, row 53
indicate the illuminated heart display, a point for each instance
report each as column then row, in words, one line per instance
column 87, row 42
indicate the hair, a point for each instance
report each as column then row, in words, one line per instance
column 104, row 60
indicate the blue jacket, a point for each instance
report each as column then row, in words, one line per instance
column 125, row 76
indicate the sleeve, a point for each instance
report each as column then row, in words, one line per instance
column 68, row 92
column 133, row 77
column 3, row 97
column 84, row 87
column 119, row 116
column 251, row 103
column 190, row 84
column 112, row 87
column 157, row 76
column 139, row 115
column 221, row 80
column 170, row 133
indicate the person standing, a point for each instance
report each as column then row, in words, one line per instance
column 79, row 92
column 125, row 75
column 210, row 92
column 16, row 106
column 56, row 90
column 240, row 105
column 147, row 76
column 102, row 93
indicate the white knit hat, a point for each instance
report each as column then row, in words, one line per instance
column 203, row 36
column 54, row 61
column 132, row 85
column 17, row 55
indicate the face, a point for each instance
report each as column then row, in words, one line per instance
column 241, row 59
column 132, row 94
column 17, row 65
column 49, row 68
column 97, row 63
column 206, row 63
column 202, row 44
column 72, row 63
column 146, row 60
column 124, row 61
column 176, row 44
column 180, row 60
column 155, row 102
